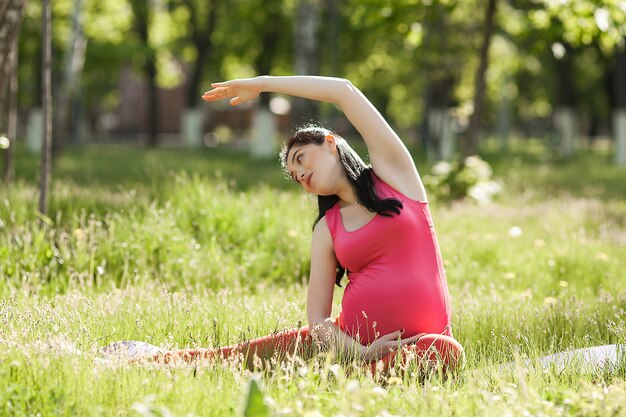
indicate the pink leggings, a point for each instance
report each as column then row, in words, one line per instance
column 428, row 348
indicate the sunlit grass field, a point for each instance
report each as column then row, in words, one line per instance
column 204, row 248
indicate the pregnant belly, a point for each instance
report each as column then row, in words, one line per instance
column 369, row 310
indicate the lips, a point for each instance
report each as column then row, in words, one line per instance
column 308, row 180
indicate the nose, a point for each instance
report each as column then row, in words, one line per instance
column 300, row 175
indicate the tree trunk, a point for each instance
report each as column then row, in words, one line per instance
column 334, row 22
column 264, row 129
column 72, row 66
column 142, row 11
column 504, row 116
column 153, row 100
column 473, row 131
column 439, row 138
column 619, row 110
column 269, row 44
column 306, row 47
column 201, row 32
column 565, row 112
column 8, row 173
column 46, row 154
column 11, row 14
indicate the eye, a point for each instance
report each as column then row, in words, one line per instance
column 299, row 158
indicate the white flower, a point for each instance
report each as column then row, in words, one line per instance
column 352, row 386
column 515, row 231
column 478, row 166
column 442, row 168
column 484, row 191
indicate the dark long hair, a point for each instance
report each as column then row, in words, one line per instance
column 358, row 172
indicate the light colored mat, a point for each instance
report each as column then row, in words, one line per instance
column 589, row 359
column 129, row 349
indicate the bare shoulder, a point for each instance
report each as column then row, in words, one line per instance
column 406, row 180
column 321, row 233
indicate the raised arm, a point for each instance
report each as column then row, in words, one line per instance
column 389, row 157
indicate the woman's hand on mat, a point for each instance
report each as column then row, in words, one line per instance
column 386, row 344
column 239, row 91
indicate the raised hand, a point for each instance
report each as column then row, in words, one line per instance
column 239, row 91
column 386, row 344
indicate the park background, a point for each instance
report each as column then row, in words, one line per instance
column 168, row 220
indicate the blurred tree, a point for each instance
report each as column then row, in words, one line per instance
column 566, row 102
column 559, row 33
column 410, row 58
column 143, row 15
column 272, row 29
column 619, row 104
column 440, row 81
column 332, row 29
column 416, row 60
column 72, row 67
column 46, row 93
column 473, row 131
column 11, row 15
column 201, row 20
column 306, row 54
column 261, row 38
column 8, row 172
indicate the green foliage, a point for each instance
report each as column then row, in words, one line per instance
column 396, row 52
column 470, row 178
column 200, row 236
column 254, row 405
column 147, row 408
column 537, row 271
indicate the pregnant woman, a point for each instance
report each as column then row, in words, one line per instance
column 374, row 223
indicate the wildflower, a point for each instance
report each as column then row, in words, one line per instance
column 480, row 167
column 335, row 369
column 442, row 168
column 79, row 234
column 602, row 256
column 484, row 191
column 394, row 380
column 352, row 386
column 550, row 301
column 515, row 231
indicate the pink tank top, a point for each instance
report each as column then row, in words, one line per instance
column 396, row 277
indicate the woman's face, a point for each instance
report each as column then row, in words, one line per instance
column 315, row 167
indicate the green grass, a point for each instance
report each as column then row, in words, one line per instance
column 205, row 248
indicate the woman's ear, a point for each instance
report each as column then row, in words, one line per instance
column 331, row 142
